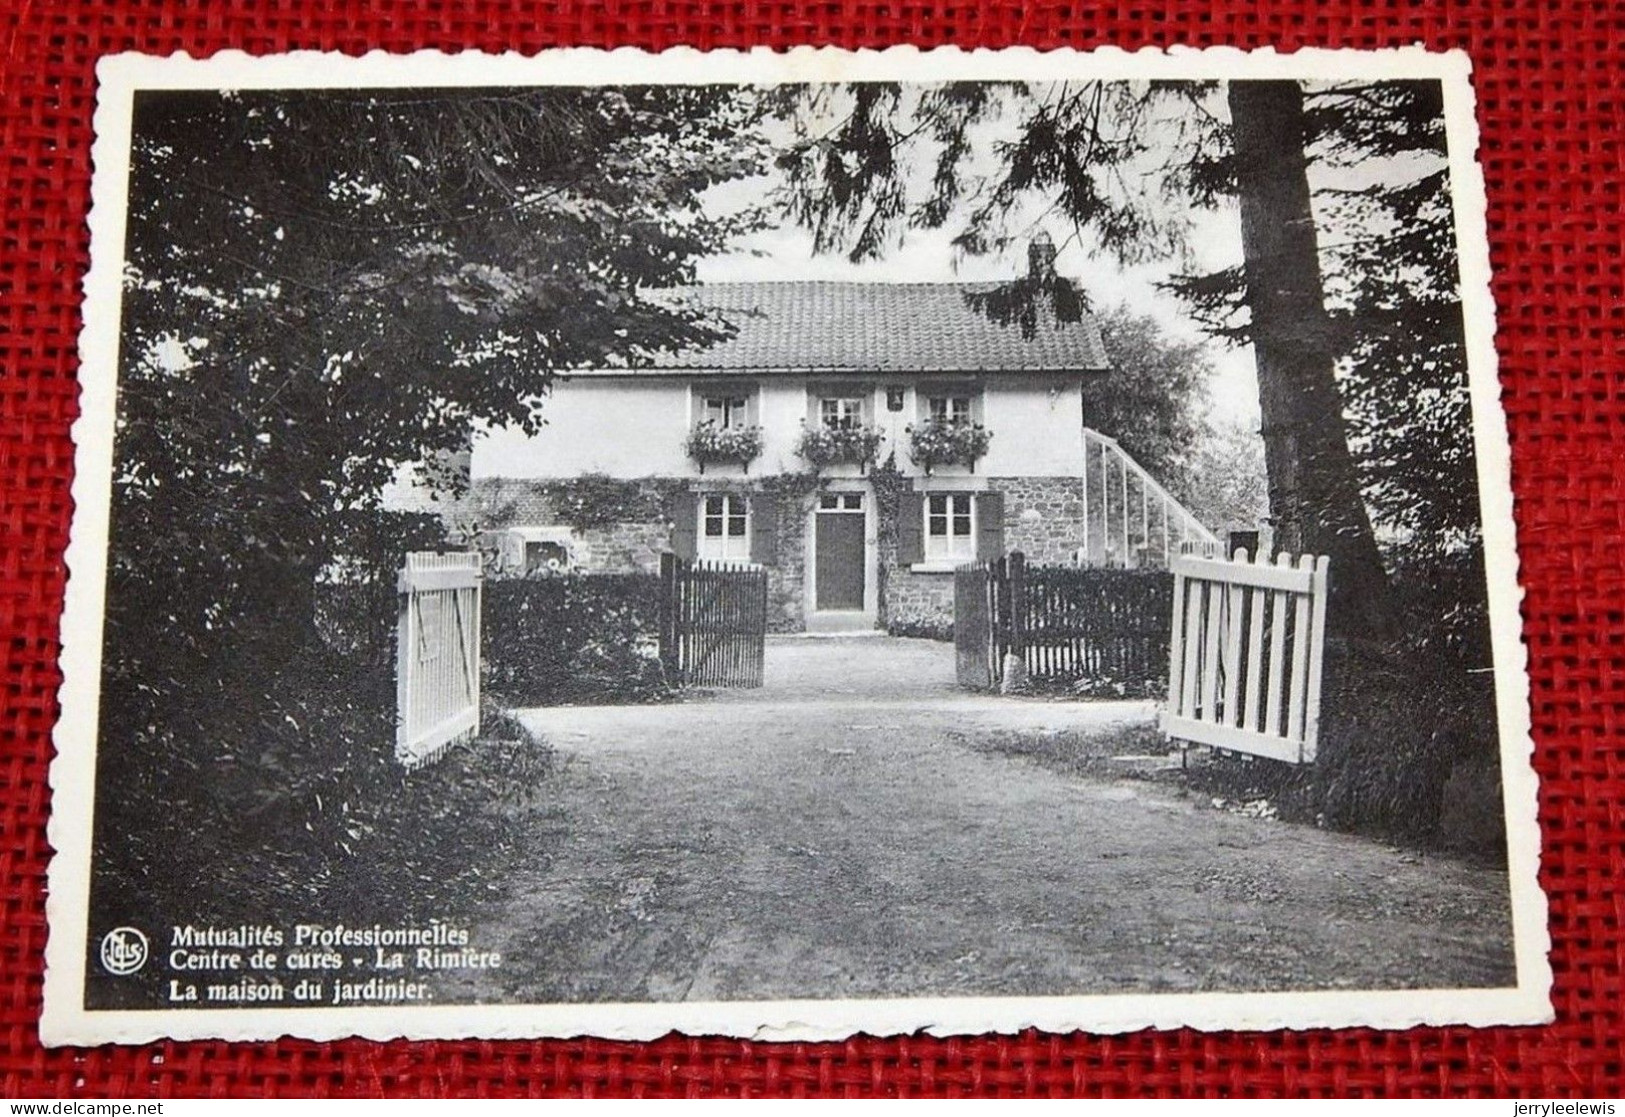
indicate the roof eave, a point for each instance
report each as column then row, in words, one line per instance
column 837, row 370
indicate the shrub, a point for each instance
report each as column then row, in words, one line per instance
column 574, row 638
column 287, row 799
column 922, row 629
column 1393, row 728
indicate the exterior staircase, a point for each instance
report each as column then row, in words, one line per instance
column 1129, row 520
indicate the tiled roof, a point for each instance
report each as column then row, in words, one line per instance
column 807, row 326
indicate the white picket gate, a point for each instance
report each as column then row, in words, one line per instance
column 437, row 661
column 1248, row 648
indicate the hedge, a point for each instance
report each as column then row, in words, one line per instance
column 573, row 639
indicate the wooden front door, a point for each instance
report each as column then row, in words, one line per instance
column 839, row 571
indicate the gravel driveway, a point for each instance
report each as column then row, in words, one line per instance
column 839, row 833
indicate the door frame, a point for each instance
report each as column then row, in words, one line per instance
column 871, row 553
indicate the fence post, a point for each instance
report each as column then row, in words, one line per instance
column 1015, row 660
column 404, row 637
column 668, row 617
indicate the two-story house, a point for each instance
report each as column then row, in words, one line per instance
column 858, row 440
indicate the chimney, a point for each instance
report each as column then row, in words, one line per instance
column 1041, row 257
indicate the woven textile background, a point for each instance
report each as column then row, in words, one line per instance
column 1550, row 108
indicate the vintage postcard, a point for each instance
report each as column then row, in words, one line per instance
column 790, row 545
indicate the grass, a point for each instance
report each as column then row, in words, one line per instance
column 1408, row 754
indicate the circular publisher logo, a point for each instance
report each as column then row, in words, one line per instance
column 124, row 951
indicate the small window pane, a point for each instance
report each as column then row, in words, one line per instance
column 726, row 411
column 726, row 528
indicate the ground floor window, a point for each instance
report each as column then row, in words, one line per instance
column 544, row 556
column 950, row 533
column 724, row 528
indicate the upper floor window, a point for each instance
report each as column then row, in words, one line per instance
column 949, row 409
column 724, row 528
column 727, row 411
column 950, row 532
column 841, row 412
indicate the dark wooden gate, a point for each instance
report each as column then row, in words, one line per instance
column 713, row 629
column 974, row 664
column 1090, row 629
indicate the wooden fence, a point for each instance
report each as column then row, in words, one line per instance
column 713, row 625
column 437, row 660
column 1105, row 629
column 1246, row 654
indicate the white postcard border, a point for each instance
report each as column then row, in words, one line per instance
column 66, row 1021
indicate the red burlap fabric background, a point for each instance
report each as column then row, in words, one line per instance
column 1550, row 108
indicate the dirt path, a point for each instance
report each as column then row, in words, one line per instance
column 838, row 834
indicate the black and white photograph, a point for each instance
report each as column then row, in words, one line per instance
column 790, row 545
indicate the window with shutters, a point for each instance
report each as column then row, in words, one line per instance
column 950, row 527
column 724, row 534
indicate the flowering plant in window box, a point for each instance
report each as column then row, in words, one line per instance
column 825, row 445
column 938, row 442
column 708, row 442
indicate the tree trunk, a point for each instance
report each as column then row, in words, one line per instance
column 1314, row 491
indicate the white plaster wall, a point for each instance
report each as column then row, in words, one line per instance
column 781, row 407
column 636, row 426
column 622, row 427
column 1037, row 427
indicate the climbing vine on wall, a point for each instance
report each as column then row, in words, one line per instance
column 592, row 500
column 599, row 500
column 889, row 484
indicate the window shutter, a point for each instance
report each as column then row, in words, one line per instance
column 685, row 525
column 989, row 525
column 764, row 528
column 911, row 528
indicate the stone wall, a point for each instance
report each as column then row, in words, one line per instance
column 635, row 546
column 786, row 577
column 630, row 546
column 1043, row 517
column 917, row 604
column 623, row 548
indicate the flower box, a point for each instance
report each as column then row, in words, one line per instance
column 708, row 443
column 824, row 445
column 937, row 442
